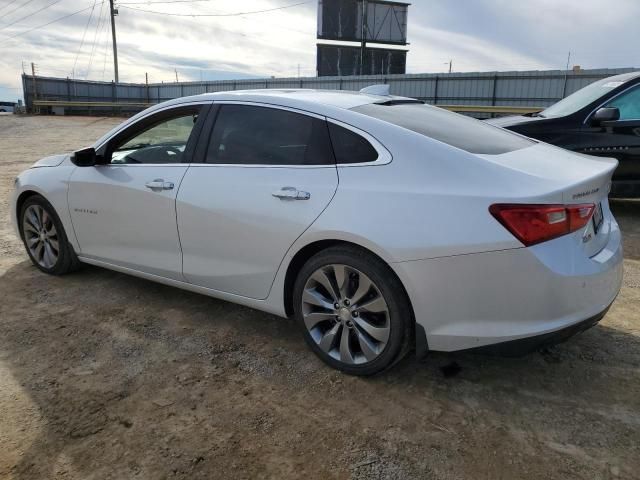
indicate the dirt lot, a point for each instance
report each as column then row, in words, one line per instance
column 108, row 376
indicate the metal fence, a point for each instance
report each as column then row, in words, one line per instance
column 514, row 89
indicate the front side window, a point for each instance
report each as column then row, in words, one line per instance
column 628, row 103
column 163, row 141
column 585, row 96
column 249, row 135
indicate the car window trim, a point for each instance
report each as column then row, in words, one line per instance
column 384, row 155
column 613, row 97
column 166, row 114
column 206, row 109
column 212, row 122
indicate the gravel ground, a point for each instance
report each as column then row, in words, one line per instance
column 108, row 376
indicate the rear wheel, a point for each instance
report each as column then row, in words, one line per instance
column 44, row 237
column 353, row 311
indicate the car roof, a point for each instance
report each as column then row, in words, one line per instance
column 305, row 99
column 329, row 103
column 625, row 77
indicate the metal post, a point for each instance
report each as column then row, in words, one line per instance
column 493, row 94
column 435, row 92
column 114, row 12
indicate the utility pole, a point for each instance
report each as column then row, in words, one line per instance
column 566, row 76
column 363, row 38
column 114, row 12
column 450, row 65
column 35, row 91
column 176, row 70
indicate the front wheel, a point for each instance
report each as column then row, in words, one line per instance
column 44, row 237
column 353, row 311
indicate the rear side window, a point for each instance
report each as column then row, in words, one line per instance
column 453, row 129
column 251, row 135
column 349, row 147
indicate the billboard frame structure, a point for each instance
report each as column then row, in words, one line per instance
column 394, row 63
column 395, row 19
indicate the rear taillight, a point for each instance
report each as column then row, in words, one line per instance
column 533, row 224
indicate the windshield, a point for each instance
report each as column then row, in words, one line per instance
column 583, row 97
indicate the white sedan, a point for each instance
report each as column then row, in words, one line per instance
column 380, row 223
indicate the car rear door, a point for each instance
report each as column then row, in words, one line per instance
column 268, row 173
column 123, row 211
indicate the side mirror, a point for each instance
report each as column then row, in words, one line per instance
column 85, row 158
column 605, row 114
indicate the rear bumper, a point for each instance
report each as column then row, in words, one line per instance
column 469, row 301
column 515, row 348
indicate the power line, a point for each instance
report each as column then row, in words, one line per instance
column 8, row 4
column 162, row 1
column 95, row 38
column 44, row 25
column 30, row 15
column 86, row 27
column 106, row 46
column 17, row 8
column 237, row 14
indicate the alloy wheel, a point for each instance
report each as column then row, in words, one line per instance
column 41, row 236
column 345, row 314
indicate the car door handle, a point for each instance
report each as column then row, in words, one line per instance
column 291, row 193
column 159, row 184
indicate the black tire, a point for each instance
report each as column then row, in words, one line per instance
column 66, row 261
column 400, row 317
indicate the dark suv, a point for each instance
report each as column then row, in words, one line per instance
column 601, row 119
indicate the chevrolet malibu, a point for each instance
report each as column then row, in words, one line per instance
column 379, row 223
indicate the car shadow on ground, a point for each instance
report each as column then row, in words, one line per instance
column 124, row 376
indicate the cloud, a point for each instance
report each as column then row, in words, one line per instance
column 478, row 35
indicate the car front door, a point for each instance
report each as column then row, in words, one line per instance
column 267, row 174
column 123, row 210
column 619, row 139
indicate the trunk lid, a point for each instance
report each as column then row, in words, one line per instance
column 568, row 178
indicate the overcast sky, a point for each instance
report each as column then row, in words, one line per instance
column 478, row 35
